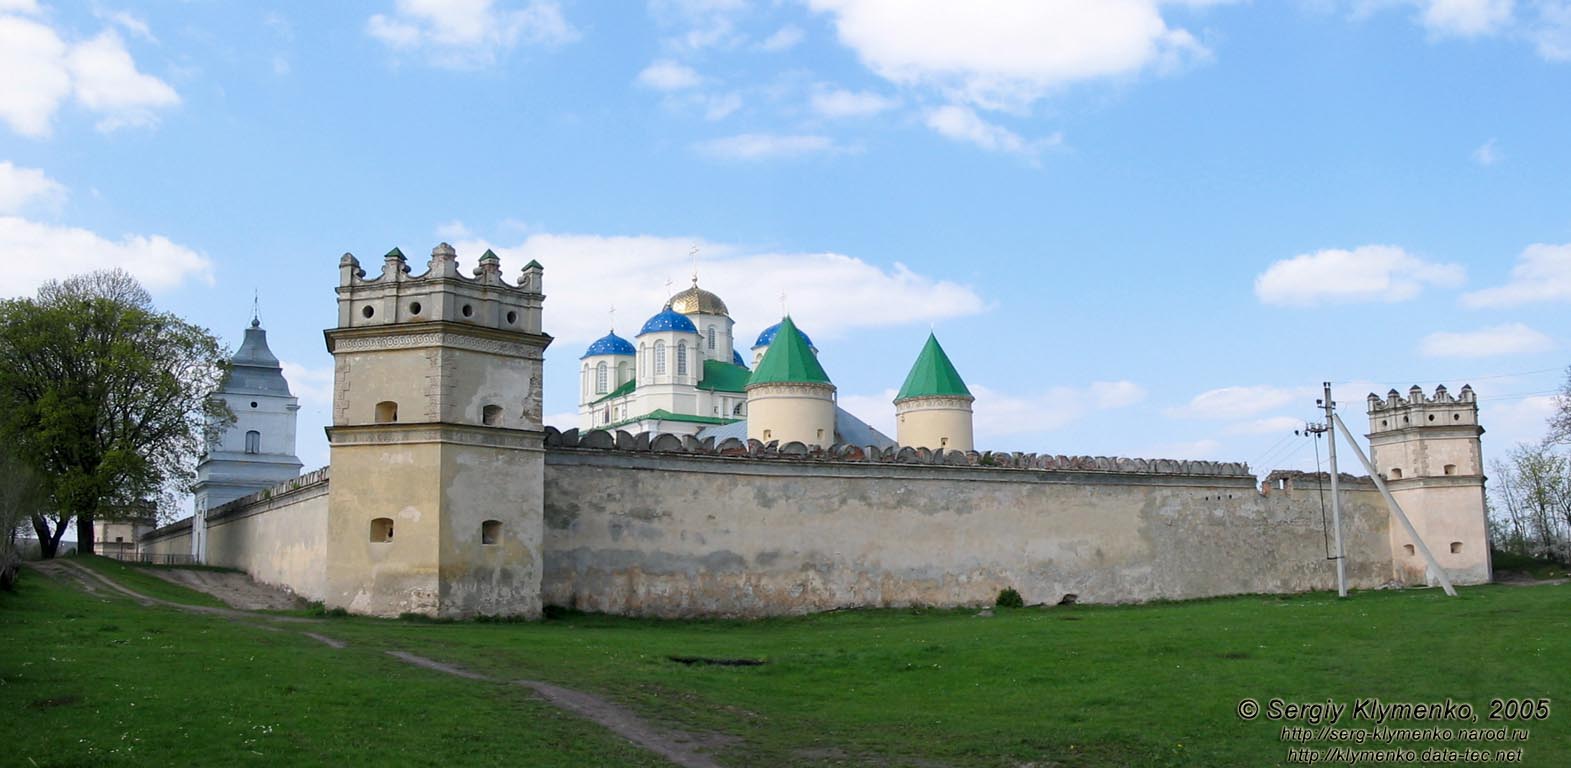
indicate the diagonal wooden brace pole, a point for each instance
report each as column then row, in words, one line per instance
column 1407, row 525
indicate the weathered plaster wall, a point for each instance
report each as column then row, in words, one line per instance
column 278, row 536
column 685, row 535
column 172, row 539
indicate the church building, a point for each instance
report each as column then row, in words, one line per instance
column 681, row 374
column 257, row 451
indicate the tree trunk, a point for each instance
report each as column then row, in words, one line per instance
column 84, row 534
column 48, row 541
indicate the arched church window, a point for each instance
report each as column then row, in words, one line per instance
column 659, row 358
column 253, row 442
column 386, row 412
column 681, row 358
column 491, row 415
column 711, row 335
column 600, row 379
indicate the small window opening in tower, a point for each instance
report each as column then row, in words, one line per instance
column 820, row 437
column 711, row 338
column 491, row 415
column 681, row 358
column 382, row 529
column 512, row 318
column 367, row 311
column 602, row 372
column 1456, row 547
column 414, row 308
column 386, row 412
column 943, row 442
column 253, row 403
column 1409, row 549
column 1396, row 474
column 253, row 442
column 659, row 358
column 1431, row 417
column 1456, row 417
column 491, row 532
column 768, row 433
column 468, row 310
column 1450, row 469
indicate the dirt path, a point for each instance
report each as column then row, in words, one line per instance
column 237, row 590
column 677, row 746
column 680, row 747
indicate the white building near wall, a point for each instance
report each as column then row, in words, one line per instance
column 257, row 451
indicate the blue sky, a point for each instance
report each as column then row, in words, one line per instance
column 1139, row 227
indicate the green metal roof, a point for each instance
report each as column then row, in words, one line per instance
column 618, row 392
column 721, row 376
column 661, row 414
column 933, row 375
column 789, row 360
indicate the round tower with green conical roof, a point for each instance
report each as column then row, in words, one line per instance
column 933, row 408
column 789, row 397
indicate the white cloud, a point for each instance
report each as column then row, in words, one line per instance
column 838, row 103
column 759, row 146
column 22, row 188
column 35, row 252
column 1551, row 34
column 998, row 416
column 1366, row 273
column 1486, row 154
column 719, row 106
column 667, row 75
column 1207, row 449
column 1546, row 24
column 1272, row 425
column 818, row 286
column 36, row 81
column 1226, row 403
column 43, row 70
column 1542, row 273
column 106, row 80
column 1465, row 18
column 1509, row 339
column 707, row 23
column 1007, row 53
column 784, row 39
column 130, row 23
column 454, row 230
column 963, row 124
column 314, row 386
column 1520, row 420
column 470, row 33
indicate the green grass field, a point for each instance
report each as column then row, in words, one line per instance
column 90, row 680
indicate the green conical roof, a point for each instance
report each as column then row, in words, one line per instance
column 789, row 360
column 933, row 375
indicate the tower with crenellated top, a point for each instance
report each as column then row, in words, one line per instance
column 437, row 495
column 1428, row 450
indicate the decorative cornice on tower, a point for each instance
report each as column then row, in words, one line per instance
column 442, row 294
column 1394, row 412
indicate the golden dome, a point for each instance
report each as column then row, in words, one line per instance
column 696, row 300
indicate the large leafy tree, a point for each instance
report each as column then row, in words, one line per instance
column 1560, row 422
column 21, row 496
column 105, row 397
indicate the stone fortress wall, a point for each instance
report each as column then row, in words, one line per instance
column 675, row 527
